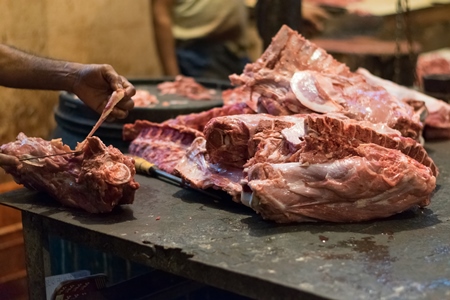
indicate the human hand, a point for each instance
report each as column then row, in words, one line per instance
column 8, row 160
column 95, row 84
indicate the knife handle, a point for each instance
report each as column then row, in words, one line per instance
column 143, row 166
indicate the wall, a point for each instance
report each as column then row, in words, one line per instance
column 88, row 31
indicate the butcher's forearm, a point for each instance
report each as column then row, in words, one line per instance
column 19, row 69
column 166, row 49
column 165, row 42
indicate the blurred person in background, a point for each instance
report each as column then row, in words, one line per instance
column 209, row 38
column 201, row 38
column 306, row 18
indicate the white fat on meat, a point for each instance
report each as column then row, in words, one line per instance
column 315, row 91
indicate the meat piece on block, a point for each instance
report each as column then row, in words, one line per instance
column 161, row 144
column 96, row 180
column 376, row 183
column 295, row 76
column 202, row 174
column 242, row 140
column 302, row 167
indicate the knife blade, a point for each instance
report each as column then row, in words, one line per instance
column 49, row 155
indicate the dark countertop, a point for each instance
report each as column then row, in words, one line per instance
column 228, row 246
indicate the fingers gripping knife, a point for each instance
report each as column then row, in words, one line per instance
column 145, row 167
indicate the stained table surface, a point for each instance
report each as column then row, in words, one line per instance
column 227, row 245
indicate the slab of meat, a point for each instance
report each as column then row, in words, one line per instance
column 302, row 167
column 374, row 183
column 96, row 180
column 187, row 87
column 294, row 76
column 437, row 114
column 242, row 140
column 161, row 144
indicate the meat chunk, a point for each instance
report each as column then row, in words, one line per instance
column 303, row 167
column 294, row 76
column 161, row 144
column 96, row 179
column 375, row 183
column 437, row 113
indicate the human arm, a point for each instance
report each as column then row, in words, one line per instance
column 92, row 83
column 165, row 41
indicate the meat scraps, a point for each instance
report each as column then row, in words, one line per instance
column 311, row 167
column 96, row 180
column 144, row 98
column 187, row 87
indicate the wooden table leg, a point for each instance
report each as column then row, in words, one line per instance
column 37, row 255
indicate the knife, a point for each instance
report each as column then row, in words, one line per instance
column 50, row 155
column 145, row 167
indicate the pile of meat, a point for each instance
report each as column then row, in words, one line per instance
column 187, row 87
column 183, row 86
column 144, row 98
column 96, row 178
column 300, row 138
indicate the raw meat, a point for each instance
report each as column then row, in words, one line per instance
column 303, row 167
column 294, row 76
column 160, row 144
column 200, row 173
column 187, row 87
column 240, row 94
column 143, row 98
column 198, row 120
column 437, row 115
column 374, row 183
column 96, row 180
column 115, row 98
column 320, row 142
